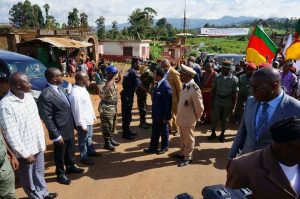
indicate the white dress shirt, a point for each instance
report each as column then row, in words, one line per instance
column 292, row 174
column 21, row 125
column 82, row 107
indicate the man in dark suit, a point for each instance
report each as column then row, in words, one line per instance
column 55, row 111
column 268, row 105
column 273, row 172
column 161, row 113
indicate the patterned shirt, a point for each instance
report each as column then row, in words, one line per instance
column 109, row 99
column 21, row 125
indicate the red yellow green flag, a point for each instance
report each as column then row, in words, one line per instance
column 293, row 52
column 261, row 49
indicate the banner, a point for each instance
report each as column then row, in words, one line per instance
column 224, row 31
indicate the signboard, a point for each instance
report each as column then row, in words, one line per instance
column 224, row 31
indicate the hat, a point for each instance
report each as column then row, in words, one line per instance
column 263, row 65
column 187, row 70
column 286, row 130
column 226, row 64
column 251, row 66
column 111, row 69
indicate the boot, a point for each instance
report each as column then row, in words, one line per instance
column 222, row 137
column 114, row 142
column 213, row 135
column 109, row 146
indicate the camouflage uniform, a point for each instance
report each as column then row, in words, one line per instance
column 223, row 91
column 108, row 109
column 244, row 92
column 147, row 80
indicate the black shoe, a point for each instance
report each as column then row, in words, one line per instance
column 127, row 136
column 177, row 156
column 184, row 163
column 212, row 136
column 51, row 195
column 114, row 142
column 95, row 154
column 74, row 169
column 132, row 133
column 87, row 162
column 109, row 146
column 148, row 150
column 63, row 180
column 222, row 138
column 162, row 151
column 144, row 126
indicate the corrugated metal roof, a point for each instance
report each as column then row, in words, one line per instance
column 64, row 42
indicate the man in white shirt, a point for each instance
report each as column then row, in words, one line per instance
column 272, row 172
column 23, row 131
column 84, row 115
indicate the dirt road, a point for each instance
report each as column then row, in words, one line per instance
column 128, row 173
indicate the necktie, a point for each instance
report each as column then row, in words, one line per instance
column 263, row 119
column 65, row 99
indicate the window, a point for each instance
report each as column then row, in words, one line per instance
column 127, row 51
column 143, row 51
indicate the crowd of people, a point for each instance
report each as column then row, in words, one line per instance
column 263, row 100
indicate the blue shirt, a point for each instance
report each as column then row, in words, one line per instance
column 131, row 81
column 271, row 108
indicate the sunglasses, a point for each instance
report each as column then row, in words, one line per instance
column 257, row 88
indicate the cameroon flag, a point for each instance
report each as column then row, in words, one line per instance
column 293, row 52
column 260, row 47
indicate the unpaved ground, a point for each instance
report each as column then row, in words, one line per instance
column 128, row 173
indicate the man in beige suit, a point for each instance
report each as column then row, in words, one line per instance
column 273, row 172
column 190, row 108
column 172, row 76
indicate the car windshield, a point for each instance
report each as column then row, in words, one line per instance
column 31, row 69
column 234, row 58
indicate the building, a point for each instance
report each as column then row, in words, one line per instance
column 174, row 50
column 123, row 50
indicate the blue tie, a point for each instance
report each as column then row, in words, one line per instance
column 63, row 96
column 263, row 119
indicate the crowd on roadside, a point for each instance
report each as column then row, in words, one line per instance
column 261, row 99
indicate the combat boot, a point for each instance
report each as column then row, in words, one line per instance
column 114, row 142
column 222, row 137
column 109, row 146
column 213, row 135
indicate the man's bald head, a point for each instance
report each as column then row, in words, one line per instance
column 267, row 75
column 19, row 83
column 16, row 78
column 82, row 79
column 165, row 64
column 53, row 76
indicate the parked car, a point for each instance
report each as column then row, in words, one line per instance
column 11, row 62
column 234, row 58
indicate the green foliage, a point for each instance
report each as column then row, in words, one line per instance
column 100, row 27
column 84, row 20
column 156, row 48
column 73, row 19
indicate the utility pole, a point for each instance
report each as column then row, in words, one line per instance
column 184, row 24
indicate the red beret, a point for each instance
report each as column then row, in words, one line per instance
column 293, row 69
column 251, row 66
column 264, row 65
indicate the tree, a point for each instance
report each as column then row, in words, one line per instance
column 100, row 27
column 141, row 22
column 114, row 30
column 84, row 20
column 73, row 19
column 16, row 15
column 38, row 16
column 46, row 7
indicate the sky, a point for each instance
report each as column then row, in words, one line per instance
column 119, row 10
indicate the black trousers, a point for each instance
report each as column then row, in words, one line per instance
column 64, row 156
column 126, row 109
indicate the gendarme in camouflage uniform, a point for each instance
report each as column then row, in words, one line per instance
column 147, row 80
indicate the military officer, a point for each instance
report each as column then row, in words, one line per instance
column 147, row 81
column 190, row 108
column 108, row 107
column 130, row 82
column 224, row 95
column 244, row 90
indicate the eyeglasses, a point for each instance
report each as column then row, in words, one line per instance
column 257, row 88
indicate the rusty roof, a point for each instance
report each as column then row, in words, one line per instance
column 62, row 42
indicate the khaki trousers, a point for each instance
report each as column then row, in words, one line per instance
column 187, row 141
column 172, row 122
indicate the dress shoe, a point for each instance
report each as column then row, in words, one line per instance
column 63, row 180
column 177, row 156
column 148, row 150
column 74, row 169
column 184, row 163
column 132, row 133
column 143, row 126
column 127, row 136
column 95, row 154
column 51, row 195
column 162, row 151
column 222, row 138
column 114, row 142
column 87, row 162
column 109, row 146
column 212, row 136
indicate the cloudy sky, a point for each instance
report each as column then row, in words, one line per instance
column 196, row 9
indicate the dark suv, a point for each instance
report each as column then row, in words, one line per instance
column 11, row 62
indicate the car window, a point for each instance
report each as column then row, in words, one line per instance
column 31, row 69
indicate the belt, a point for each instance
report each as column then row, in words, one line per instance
column 108, row 102
column 224, row 96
